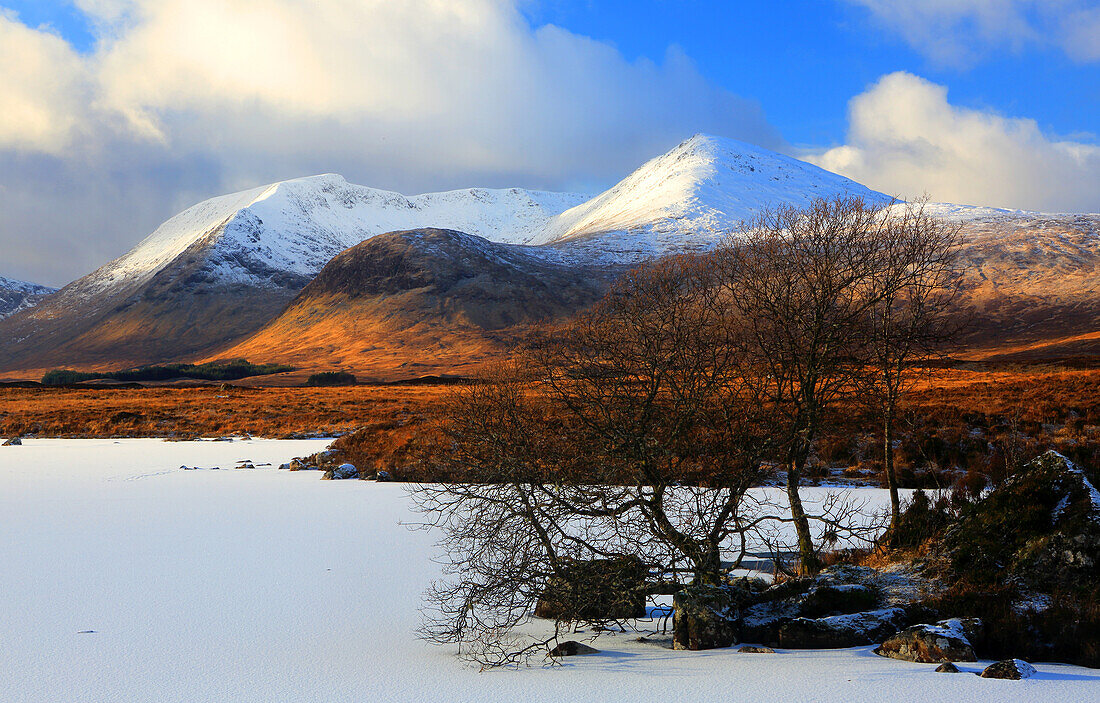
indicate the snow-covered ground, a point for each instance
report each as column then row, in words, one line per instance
column 126, row 578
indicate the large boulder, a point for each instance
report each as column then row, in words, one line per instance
column 705, row 617
column 947, row 640
column 595, row 590
column 1040, row 529
column 1014, row 669
column 832, row 632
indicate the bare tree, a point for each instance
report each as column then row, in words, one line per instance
column 629, row 435
column 909, row 318
column 799, row 282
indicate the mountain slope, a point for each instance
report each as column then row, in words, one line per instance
column 1031, row 281
column 418, row 301
column 20, row 295
column 208, row 280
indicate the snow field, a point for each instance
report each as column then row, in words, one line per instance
column 126, row 578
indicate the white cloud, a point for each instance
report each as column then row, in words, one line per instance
column 416, row 95
column 42, row 88
column 905, row 138
column 959, row 32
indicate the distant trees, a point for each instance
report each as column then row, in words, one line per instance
column 210, row 371
column 632, row 435
column 331, row 378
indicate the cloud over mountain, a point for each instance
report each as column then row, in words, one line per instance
column 905, row 138
column 204, row 96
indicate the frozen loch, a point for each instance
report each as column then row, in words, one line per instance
column 128, row 578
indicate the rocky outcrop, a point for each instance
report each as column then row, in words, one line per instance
column 595, row 590
column 832, row 632
column 1039, row 530
column 842, row 607
column 947, row 640
column 705, row 617
column 1014, row 669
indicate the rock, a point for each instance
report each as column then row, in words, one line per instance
column 704, row 617
column 572, row 648
column 382, row 476
column 751, row 649
column 345, row 471
column 1014, row 669
column 840, row 599
column 296, row 465
column 284, row 467
column 13, row 442
column 947, row 640
column 1039, row 529
column 595, row 590
column 833, row 632
column 947, row 668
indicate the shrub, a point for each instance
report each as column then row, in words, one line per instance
column 331, row 378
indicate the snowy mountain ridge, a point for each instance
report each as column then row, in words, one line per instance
column 297, row 226
column 20, row 295
column 700, row 190
column 687, row 198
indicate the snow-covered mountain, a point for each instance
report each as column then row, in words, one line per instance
column 215, row 274
column 20, row 295
column 691, row 197
column 223, row 268
column 293, row 228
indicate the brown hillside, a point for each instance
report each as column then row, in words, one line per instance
column 420, row 301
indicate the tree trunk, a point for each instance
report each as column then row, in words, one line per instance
column 888, row 464
column 806, row 553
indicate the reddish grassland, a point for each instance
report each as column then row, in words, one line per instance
column 1055, row 406
column 206, row 412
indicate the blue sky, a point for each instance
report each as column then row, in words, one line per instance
column 797, row 52
column 115, row 114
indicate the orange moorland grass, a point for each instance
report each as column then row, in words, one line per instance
column 208, row 411
column 390, row 418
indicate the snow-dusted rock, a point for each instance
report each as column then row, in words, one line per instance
column 947, row 640
column 595, row 590
column 947, row 668
column 705, row 617
column 754, row 649
column 572, row 648
column 13, row 442
column 343, row 471
column 1014, row 669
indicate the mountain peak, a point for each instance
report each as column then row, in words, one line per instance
column 699, row 191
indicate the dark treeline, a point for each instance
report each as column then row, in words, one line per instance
column 211, row 371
